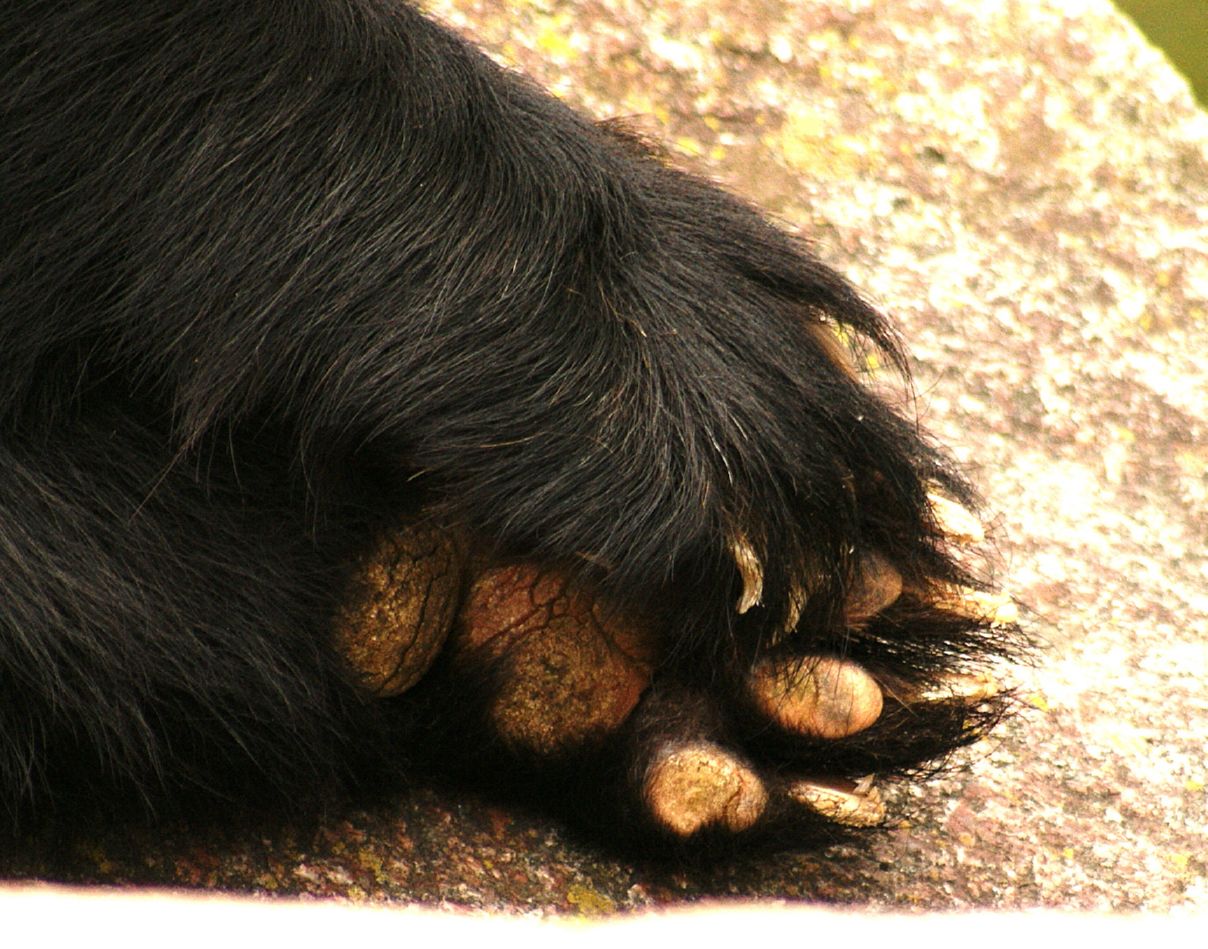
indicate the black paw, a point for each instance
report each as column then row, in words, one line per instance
column 273, row 275
column 785, row 747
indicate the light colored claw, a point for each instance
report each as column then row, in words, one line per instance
column 956, row 521
column 864, row 785
column 969, row 688
column 861, row 807
column 997, row 609
column 751, row 570
column 822, row 697
column 797, row 599
column 836, row 345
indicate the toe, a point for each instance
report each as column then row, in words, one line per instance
column 700, row 784
column 876, row 586
column 821, row 697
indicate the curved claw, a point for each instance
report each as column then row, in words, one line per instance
column 792, row 615
column 967, row 688
column 860, row 807
column 751, row 571
column 956, row 521
column 997, row 608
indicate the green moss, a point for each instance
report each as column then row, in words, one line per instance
column 1180, row 29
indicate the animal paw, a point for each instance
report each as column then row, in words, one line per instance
column 564, row 674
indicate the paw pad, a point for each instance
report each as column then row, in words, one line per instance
column 569, row 668
column 700, row 785
column 821, row 697
column 399, row 608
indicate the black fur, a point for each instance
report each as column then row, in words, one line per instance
column 272, row 273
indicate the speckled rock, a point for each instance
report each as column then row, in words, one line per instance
column 1025, row 187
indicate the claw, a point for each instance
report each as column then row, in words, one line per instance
column 693, row 786
column 970, row 689
column 956, row 521
column 821, row 696
column 752, row 572
column 834, row 344
column 997, row 609
column 752, row 585
column 860, row 807
column 797, row 599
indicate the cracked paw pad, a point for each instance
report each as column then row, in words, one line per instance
column 698, row 785
column 399, row 608
column 570, row 668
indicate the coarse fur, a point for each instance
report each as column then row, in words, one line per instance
column 274, row 273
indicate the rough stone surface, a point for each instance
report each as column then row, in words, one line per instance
column 1025, row 187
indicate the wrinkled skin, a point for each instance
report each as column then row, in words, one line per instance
column 573, row 670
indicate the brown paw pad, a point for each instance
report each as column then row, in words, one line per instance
column 571, row 669
column 692, row 786
column 822, row 697
column 400, row 607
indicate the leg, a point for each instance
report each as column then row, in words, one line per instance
column 618, row 385
column 162, row 629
